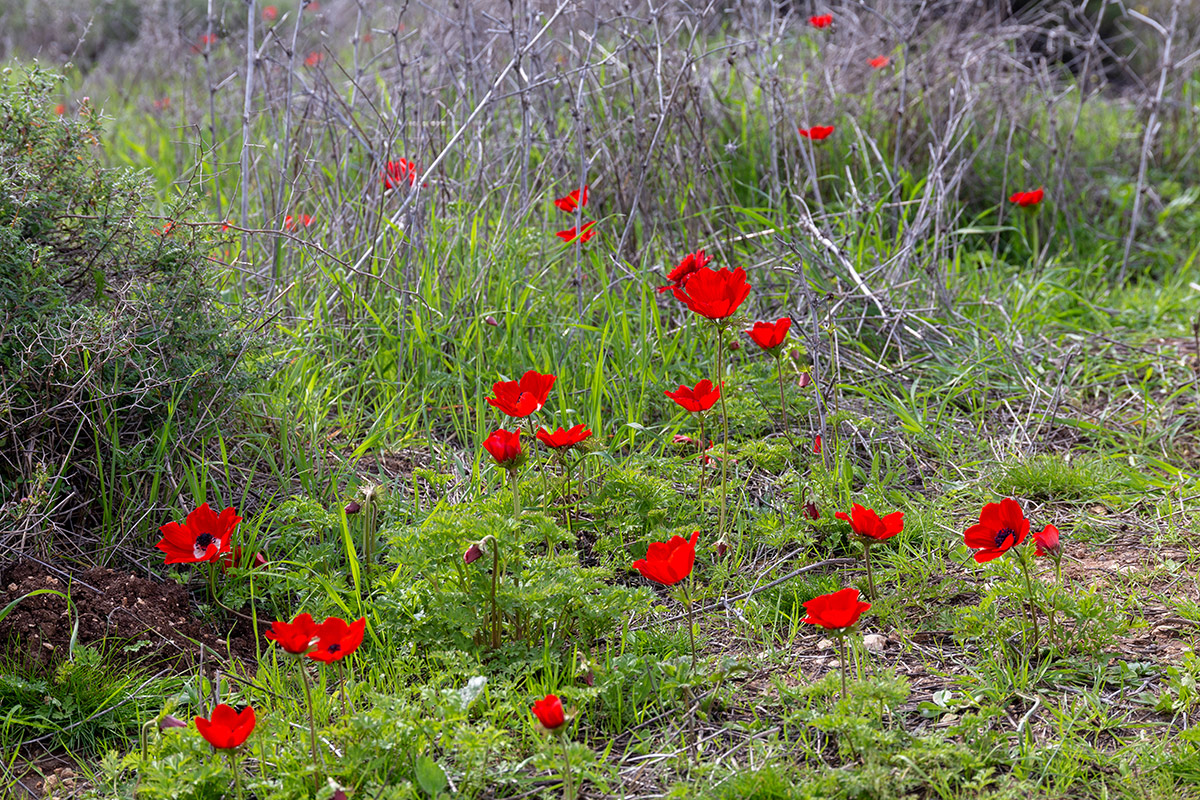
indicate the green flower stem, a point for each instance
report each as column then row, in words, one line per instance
column 541, row 465
column 1032, row 603
column 724, row 433
column 870, row 574
column 691, row 622
column 568, row 783
column 516, row 490
column 566, row 493
column 700, row 466
column 842, row 641
column 787, row 428
column 495, row 578
column 237, row 775
column 312, row 723
column 342, row 684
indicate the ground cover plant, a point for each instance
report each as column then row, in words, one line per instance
column 500, row 399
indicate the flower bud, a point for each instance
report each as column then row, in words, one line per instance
column 810, row 508
column 722, row 548
column 473, row 553
column 735, row 345
column 169, row 721
column 817, row 445
column 353, row 507
column 490, row 320
column 805, row 379
column 796, row 355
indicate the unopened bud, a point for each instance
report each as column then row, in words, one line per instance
column 473, row 553
column 169, row 721
column 722, row 548
column 817, row 445
column 796, row 355
column 805, row 379
column 735, row 345
column 490, row 320
column 353, row 507
column 810, row 508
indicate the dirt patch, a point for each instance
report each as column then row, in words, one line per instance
column 139, row 619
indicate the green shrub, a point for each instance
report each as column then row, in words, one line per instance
column 113, row 343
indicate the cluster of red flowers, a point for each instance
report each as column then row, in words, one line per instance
column 521, row 399
column 1003, row 526
column 334, row 639
column 291, row 223
column 399, row 172
column 571, row 203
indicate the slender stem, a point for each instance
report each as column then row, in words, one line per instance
column 724, row 434
column 700, row 465
column 237, row 774
column 541, row 465
column 842, row 640
column 691, row 620
column 212, row 582
column 870, row 575
column 312, row 724
column 516, row 490
column 787, row 428
column 1032, row 603
column 495, row 577
column 566, row 493
column 568, row 783
column 342, row 684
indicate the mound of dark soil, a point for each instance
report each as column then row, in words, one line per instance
column 137, row 619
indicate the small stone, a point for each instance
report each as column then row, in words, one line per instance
column 825, row 644
column 875, row 642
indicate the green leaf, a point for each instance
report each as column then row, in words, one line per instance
column 431, row 777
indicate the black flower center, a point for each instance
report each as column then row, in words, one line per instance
column 203, row 541
column 333, row 648
column 1003, row 534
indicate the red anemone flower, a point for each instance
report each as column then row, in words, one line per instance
column 203, row 537
column 816, row 132
column 715, row 294
column 290, row 222
column 573, row 201
column 228, row 728
column 337, row 639
column 522, row 397
column 879, row 62
column 270, row 13
column 821, row 20
column 505, row 447
column 836, row 611
column 399, row 172
column 295, row 637
column 1027, row 199
column 691, row 262
column 669, row 562
column 561, row 438
column 1047, row 541
column 313, row 59
column 867, row 524
column 770, row 335
column 585, row 233
column 549, row 712
column 696, row 399
column 817, row 445
column 1002, row 526
column 60, row 109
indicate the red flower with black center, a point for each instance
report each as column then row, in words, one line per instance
column 549, row 712
column 337, row 639
column 816, row 132
column 837, row 611
column 715, row 294
column 228, row 728
column 522, row 397
column 505, row 447
column 573, row 201
column 879, row 62
column 866, row 523
column 295, row 637
column 699, row 398
column 669, row 562
column 203, row 537
column 562, row 439
column 585, row 233
column 1027, row 199
column 691, row 262
column 821, row 20
column 1002, row 526
column 399, row 172
column 1047, row 541
column 770, row 335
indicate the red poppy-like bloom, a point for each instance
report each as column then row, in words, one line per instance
column 1027, row 199
column 228, row 728
column 337, row 639
column 204, row 536
column 585, row 233
column 60, row 109
column 522, row 397
column 295, row 637
column 1002, row 526
column 313, row 59
column 821, row 20
column 770, row 335
column 290, row 222
column 669, row 562
column 400, row 172
column 691, row 262
column 549, row 712
column 1047, row 541
column 879, row 62
column 715, row 294
column 836, row 611
column 816, row 132
column 234, row 559
column 697, row 399
column 561, row 438
column 817, row 445
column 505, row 447
column 867, row 524
column 573, row 201
column 270, row 13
